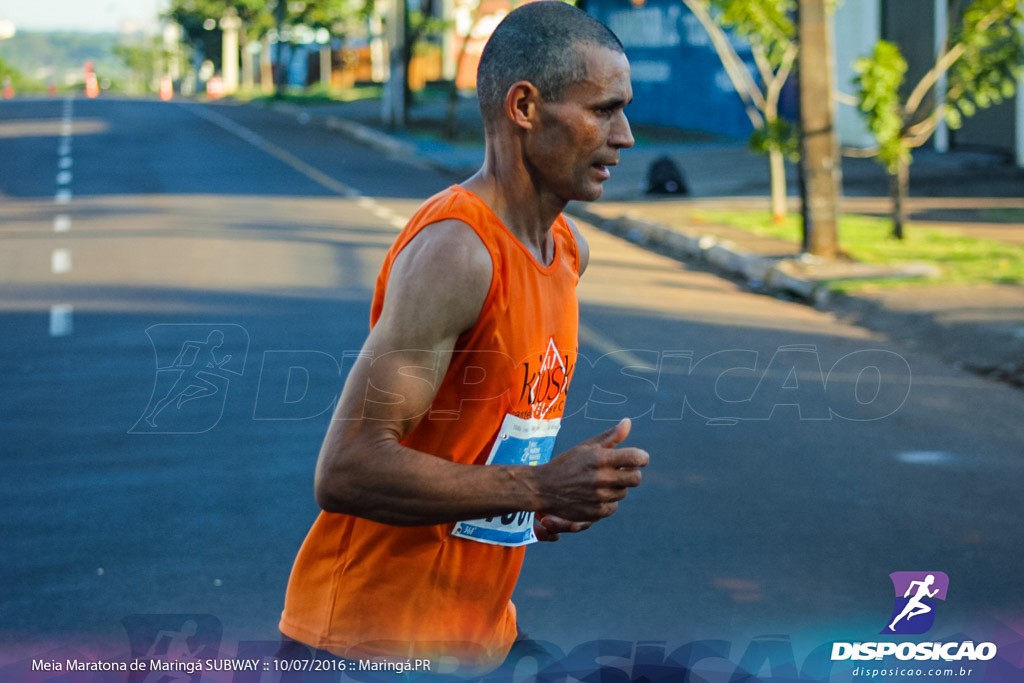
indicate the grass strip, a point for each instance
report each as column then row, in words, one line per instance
column 962, row 259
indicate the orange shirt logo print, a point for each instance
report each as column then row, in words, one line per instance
column 526, row 438
column 544, row 389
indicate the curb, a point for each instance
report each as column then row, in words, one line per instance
column 787, row 276
column 772, row 274
column 371, row 137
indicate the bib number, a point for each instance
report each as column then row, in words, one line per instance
column 520, row 442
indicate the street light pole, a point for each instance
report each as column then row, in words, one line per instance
column 820, row 158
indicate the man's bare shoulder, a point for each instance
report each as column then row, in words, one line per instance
column 447, row 251
column 444, row 273
column 452, row 240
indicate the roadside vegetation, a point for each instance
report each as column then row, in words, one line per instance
column 963, row 259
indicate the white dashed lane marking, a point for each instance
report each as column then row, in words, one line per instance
column 62, row 322
column 60, row 261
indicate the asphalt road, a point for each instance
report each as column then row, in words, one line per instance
column 797, row 461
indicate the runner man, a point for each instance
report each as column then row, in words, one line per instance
column 436, row 470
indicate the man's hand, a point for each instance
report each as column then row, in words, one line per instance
column 586, row 483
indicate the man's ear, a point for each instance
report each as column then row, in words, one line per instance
column 521, row 104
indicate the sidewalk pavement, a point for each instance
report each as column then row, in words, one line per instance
column 978, row 327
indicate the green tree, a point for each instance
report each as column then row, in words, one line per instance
column 768, row 27
column 417, row 28
column 983, row 57
column 339, row 18
column 141, row 59
column 18, row 82
column 199, row 20
column 423, row 25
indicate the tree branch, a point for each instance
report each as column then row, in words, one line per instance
column 918, row 134
column 761, row 60
column 845, row 98
column 942, row 66
column 775, row 85
column 929, row 79
column 746, row 88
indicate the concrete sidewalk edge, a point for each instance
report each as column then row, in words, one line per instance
column 772, row 274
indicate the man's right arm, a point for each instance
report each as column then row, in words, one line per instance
column 436, row 291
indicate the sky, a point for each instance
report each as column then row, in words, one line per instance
column 80, row 15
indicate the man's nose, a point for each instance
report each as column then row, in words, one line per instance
column 622, row 136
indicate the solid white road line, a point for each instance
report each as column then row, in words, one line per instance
column 273, row 150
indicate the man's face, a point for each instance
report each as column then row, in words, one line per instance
column 580, row 136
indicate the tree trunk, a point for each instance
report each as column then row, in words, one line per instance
column 777, row 166
column 393, row 103
column 411, row 38
column 280, row 68
column 266, row 67
column 248, row 75
column 820, row 150
column 326, row 62
column 899, row 188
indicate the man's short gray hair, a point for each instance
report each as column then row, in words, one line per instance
column 538, row 42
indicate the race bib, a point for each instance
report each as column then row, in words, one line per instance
column 519, row 442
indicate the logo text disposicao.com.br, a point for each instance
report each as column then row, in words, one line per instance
column 866, row 672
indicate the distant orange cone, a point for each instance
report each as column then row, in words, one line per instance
column 215, row 88
column 8, row 89
column 92, row 86
column 166, row 88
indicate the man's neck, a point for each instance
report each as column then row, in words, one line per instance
column 527, row 213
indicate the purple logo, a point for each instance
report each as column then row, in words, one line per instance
column 917, row 593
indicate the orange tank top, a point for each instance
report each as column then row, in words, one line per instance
column 362, row 589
